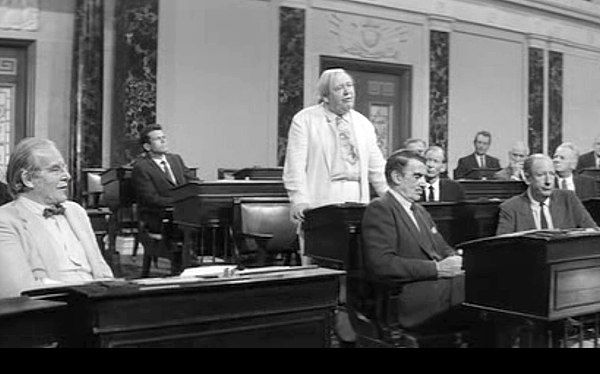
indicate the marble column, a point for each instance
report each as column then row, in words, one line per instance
column 439, row 63
column 536, row 100
column 555, row 100
column 134, row 106
column 291, row 72
column 87, row 91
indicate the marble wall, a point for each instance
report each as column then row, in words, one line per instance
column 291, row 72
column 134, row 92
column 536, row 101
column 555, row 100
column 439, row 61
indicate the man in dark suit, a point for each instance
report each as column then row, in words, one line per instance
column 155, row 174
column 542, row 206
column 590, row 159
column 401, row 242
column 478, row 159
column 436, row 188
column 565, row 161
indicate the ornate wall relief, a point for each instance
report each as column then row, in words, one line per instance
column 19, row 14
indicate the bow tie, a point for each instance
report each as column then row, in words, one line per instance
column 53, row 210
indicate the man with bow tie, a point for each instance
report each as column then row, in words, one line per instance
column 44, row 238
column 401, row 242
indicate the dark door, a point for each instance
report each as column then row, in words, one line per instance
column 13, row 96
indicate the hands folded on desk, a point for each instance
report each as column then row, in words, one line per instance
column 449, row 267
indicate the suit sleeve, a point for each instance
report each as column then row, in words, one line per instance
column 145, row 190
column 15, row 271
column 189, row 174
column 506, row 220
column 380, row 247
column 461, row 169
column 582, row 217
column 294, row 170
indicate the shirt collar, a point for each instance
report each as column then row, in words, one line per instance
column 401, row 199
column 534, row 202
column 332, row 116
column 436, row 184
column 33, row 206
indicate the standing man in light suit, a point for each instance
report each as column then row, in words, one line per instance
column 332, row 156
column 44, row 238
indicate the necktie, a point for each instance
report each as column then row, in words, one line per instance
column 431, row 196
column 482, row 161
column 543, row 222
column 563, row 185
column 426, row 235
column 348, row 148
column 167, row 171
column 54, row 210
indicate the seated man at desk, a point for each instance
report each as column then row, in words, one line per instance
column 155, row 173
column 516, row 156
column 44, row 238
column 436, row 188
column 478, row 159
column 565, row 161
column 401, row 242
column 542, row 206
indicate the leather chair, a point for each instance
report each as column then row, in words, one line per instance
column 263, row 232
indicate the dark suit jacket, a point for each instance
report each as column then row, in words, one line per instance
column 468, row 163
column 394, row 248
column 585, row 187
column 586, row 160
column 566, row 210
column 451, row 191
column 153, row 189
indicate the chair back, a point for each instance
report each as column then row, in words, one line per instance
column 263, row 224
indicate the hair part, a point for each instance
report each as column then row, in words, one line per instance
column 397, row 162
column 23, row 160
column 145, row 133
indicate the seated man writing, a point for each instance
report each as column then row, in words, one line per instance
column 542, row 206
column 401, row 242
column 44, row 238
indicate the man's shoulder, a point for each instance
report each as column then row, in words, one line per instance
column 309, row 112
column 465, row 158
column 515, row 201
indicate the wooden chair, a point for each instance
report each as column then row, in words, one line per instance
column 165, row 244
column 372, row 303
column 263, row 232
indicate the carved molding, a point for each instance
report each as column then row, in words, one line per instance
column 19, row 14
column 367, row 37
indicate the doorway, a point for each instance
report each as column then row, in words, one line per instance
column 383, row 94
column 15, row 73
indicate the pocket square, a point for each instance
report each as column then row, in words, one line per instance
column 434, row 230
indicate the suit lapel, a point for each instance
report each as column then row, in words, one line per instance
column 175, row 169
column 327, row 134
column 408, row 223
column 360, row 146
column 158, row 169
column 526, row 213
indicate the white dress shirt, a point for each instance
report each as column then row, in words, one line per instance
column 406, row 205
column 535, row 208
column 436, row 190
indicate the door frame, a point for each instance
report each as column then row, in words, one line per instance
column 28, row 45
column 404, row 72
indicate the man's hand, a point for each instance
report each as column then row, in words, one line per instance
column 298, row 212
column 449, row 267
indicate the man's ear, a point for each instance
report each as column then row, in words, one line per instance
column 146, row 147
column 396, row 177
column 26, row 179
column 326, row 100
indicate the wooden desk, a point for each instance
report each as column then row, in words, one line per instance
column 332, row 232
column 536, row 281
column 291, row 308
column 491, row 189
column 259, row 173
column 28, row 323
column 209, row 205
column 593, row 207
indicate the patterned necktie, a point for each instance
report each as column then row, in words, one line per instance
column 167, row 171
column 54, row 210
column 543, row 222
column 431, row 196
column 348, row 149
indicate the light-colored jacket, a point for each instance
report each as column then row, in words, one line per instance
column 26, row 247
column 308, row 162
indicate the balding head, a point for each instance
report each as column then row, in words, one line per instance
column 539, row 175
